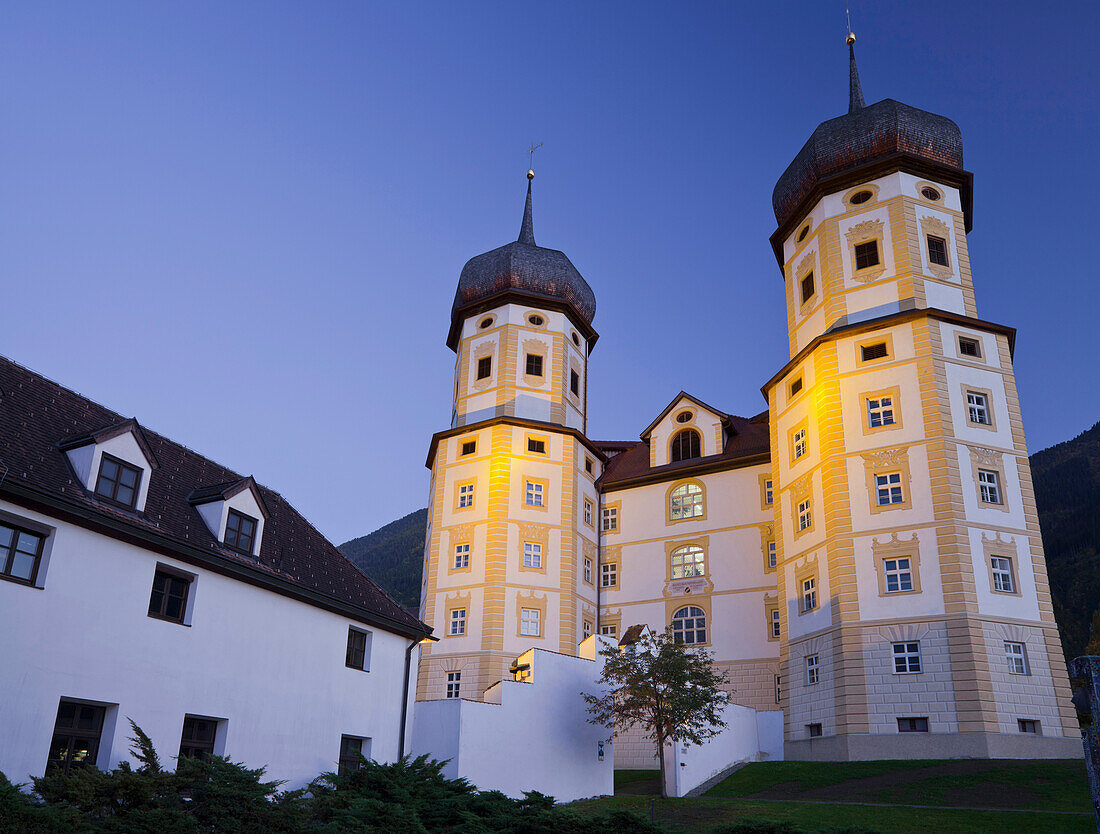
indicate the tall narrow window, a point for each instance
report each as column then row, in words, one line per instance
column 532, row 555
column 688, row 562
column 587, row 629
column 937, row 250
column 240, row 532
column 484, row 367
column 454, row 684
column 352, row 753
column 977, row 408
column 358, row 653
column 809, row 594
column 198, row 737
column 689, row 625
column 880, row 411
column 775, row 625
column 534, row 364
column 807, row 287
column 458, row 622
column 465, row 495
column 529, row 622
column 1003, row 580
column 1016, row 655
column 168, row 601
column 575, row 383
column 867, row 254
column 587, row 569
column 799, row 441
column 587, row 512
column 768, row 497
column 462, row 556
column 813, row 670
column 686, row 501
column 76, row 737
column 888, row 489
column 805, row 519
column 534, row 494
column 118, row 482
column 686, row 445
column 906, row 658
column 771, row 553
column 20, row 553
column 989, row 487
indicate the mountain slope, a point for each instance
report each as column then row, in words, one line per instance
column 393, row 555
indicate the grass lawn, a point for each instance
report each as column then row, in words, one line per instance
column 828, row 794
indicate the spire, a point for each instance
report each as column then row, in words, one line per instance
column 527, row 228
column 855, row 91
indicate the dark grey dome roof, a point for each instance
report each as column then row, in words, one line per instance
column 865, row 135
column 525, row 269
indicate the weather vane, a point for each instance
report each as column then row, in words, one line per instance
column 531, row 160
column 848, row 20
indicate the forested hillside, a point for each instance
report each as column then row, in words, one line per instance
column 1067, row 492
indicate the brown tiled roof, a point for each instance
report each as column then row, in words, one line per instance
column 36, row 415
column 746, row 440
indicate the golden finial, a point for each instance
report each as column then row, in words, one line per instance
column 531, row 160
column 530, row 173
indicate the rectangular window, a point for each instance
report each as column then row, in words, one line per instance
column 609, row 575
column 1003, row 580
column 532, row 555
column 867, row 254
column 118, row 482
column 20, row 553
column 805, row 520
column 352, row 753
column 778, row 689
column 771, row 554
column 536, row 446
column 880, row 411
column 906, row 658
column 469, row 447
column 775, row 623
column 454, row 684
column 989, row 487
column 462, row 556
column 529, row 621
column 240, row 532
column 899, row 574
column 466, row 495
column 575, row 383
column 587, row 512
column 809, row 594
column 799, row 441
column 888, row 489
column 813, row 730
column 1028, row 725
column 1016, row 655
column 876, row 351
column 609, row 630
column 534, row 494
column 168, row 601
column 76, row 737
column 197, row 741
column 458, row 622
column 977, row 408
column 358, row 654
column 587, row 570
column 534, row 364
column 587, row 629
column 484, row 367
column 588, row 465
column 970, row 347
column 807, row 287
column 796, row 386
column 912, row 725
column 610, row 519
column 937, row 250
column 813, row 670
column 768, row 498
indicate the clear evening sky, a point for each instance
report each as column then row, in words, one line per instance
column 243, row 223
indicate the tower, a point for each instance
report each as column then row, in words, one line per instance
column 917, row 615
column 510, row 552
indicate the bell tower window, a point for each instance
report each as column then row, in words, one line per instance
column 484, row 367
column 867, row 254
column 534, row 364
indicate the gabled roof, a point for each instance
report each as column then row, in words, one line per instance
column 223, row 492
column 294, row 558
column 683, row 395
column 110, row 432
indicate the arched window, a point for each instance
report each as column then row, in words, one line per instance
column 688, row 562
column 685, row 445
column 689, row 625
column 685, row 501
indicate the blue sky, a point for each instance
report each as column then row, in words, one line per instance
column 243, row 223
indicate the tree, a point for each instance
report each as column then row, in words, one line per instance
column 1093, row 647
column 671, row 691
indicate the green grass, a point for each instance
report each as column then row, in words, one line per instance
column 625, row 777
column 1049, row 785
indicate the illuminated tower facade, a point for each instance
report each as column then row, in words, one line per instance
column 917, row 618
column 510, row 554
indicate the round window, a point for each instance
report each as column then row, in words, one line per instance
column 536, row 320
column 576, row 340
column 930, row 193
column 860, row 197
column 805, row 231
column 486, row 322
column 683, row 417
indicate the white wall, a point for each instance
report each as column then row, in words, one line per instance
column 272, row 669
column 536, row 738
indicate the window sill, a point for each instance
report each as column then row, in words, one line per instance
column 26, row 583
column 164, row 619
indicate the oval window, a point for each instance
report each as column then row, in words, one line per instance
column 576, row 340
column 536, row 320
column 860, row 197
column 805, row 231
column 930, row 193
column 486, row 322
column 683, row 416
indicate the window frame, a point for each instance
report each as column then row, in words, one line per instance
column 465, row 494
column 535, row 489
column 533, row 444
column 348, row 763
column 461, row 554
column 238, row 535
column 609, row 571
column 610, row 513
column 990, row 487
column 193, row 748
column 928, row 238
column 692, row 438
column 587, row 571
column 914, row 725
column 359, row 645
column 170, row 574
column 971, row 340
column 74, row 733
column 698, row 562
column 813, row 669
column 1018, row 662
column 808, row 599
column 1008, row 570
column 484, row 369
column 588, row 510
column 526, row 623
column 767, row 492
column 456, row 625
column 890, row 486
column 874, row 404
column 467, row 448
column 860, row 251
column 802, row 293
column 533, row 553
column 698, row 504
column 983, row 409
column 906, row 656
column 453, row 681
column 122, row 465
column 534, row 365
column 8, row 553
column 699, row 632
column 899, row 573
column 804, row 516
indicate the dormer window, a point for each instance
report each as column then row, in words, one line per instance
column 118, row 482
column 686, row 445
column 240, row 532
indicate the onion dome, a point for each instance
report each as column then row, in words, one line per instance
column 523, row 271
column 869, row 141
